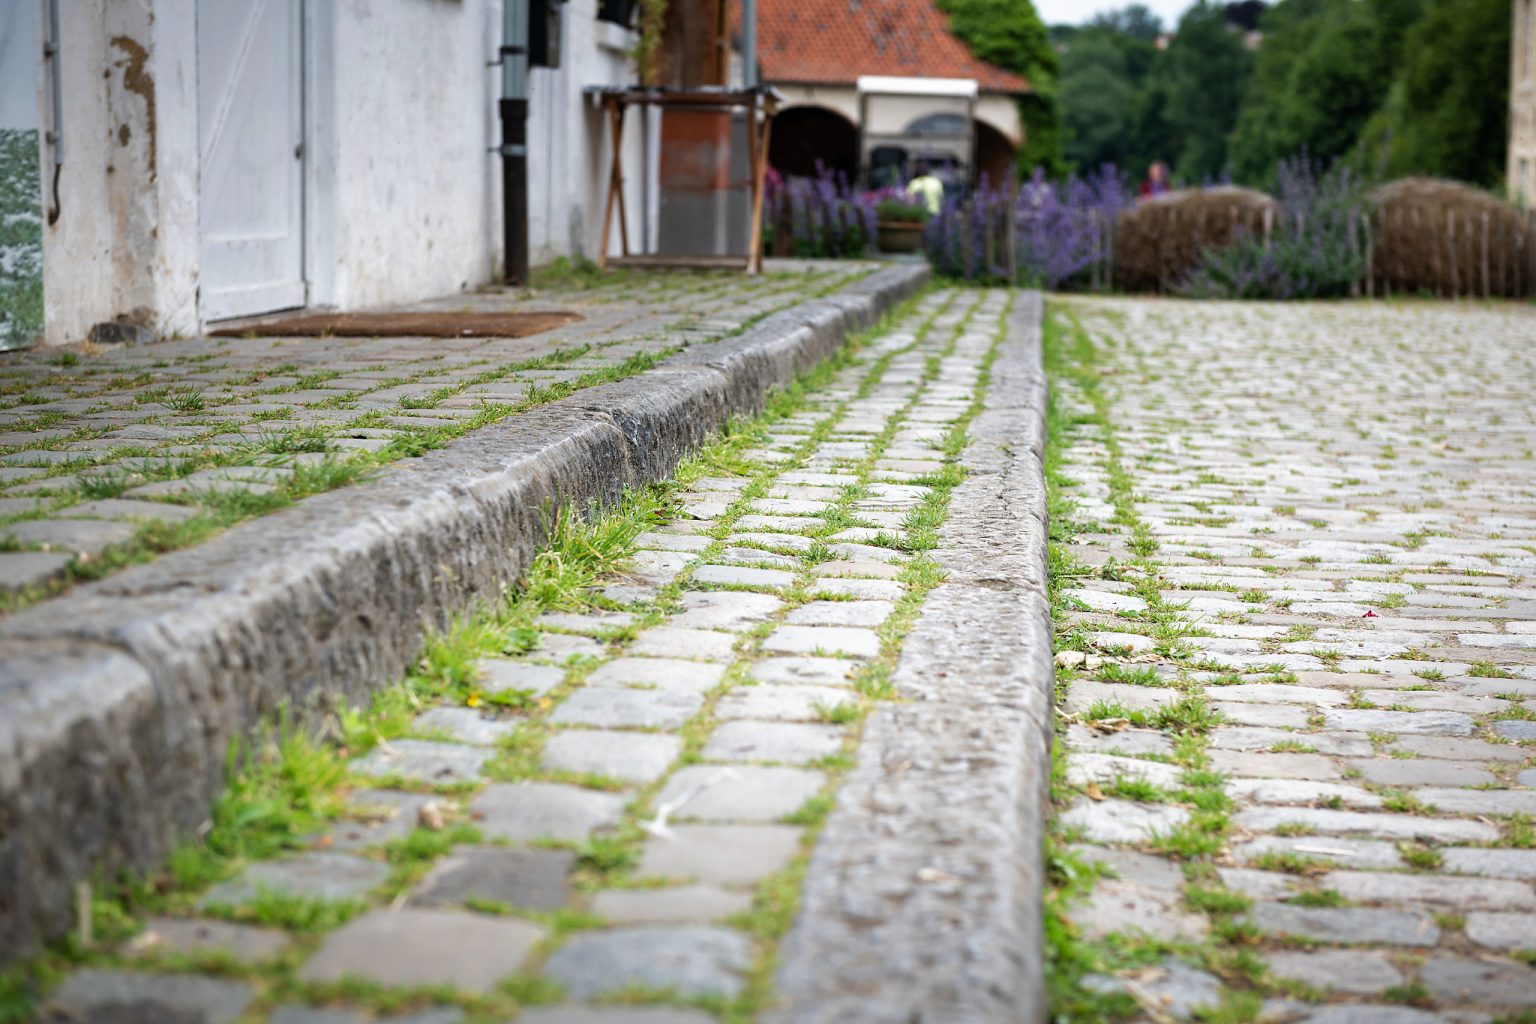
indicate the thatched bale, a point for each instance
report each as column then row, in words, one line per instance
column 1445, row 238
column 1160, row 240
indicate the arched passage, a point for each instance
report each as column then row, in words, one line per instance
column 995, row 154
column 802, row 136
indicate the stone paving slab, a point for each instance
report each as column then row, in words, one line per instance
column 152, row 672
column 1324, row 558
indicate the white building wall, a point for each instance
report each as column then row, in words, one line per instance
column 403, row 184
column 569, row 141
column 996, row 109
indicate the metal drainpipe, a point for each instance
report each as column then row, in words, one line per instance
column 55, row 134
column 513, row 109
column 749, row 43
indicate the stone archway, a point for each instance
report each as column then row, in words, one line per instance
column 804, row 136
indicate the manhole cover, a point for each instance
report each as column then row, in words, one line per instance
column 395, row 325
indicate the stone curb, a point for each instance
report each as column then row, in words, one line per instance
column 119, row 700
column 923, row 897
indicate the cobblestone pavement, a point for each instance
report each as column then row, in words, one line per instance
column 638, row 832
column 123, row 451
column 1295, row 658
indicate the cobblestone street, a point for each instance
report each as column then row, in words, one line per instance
column 132, row 449
column 637, row 829
column 1294, row 653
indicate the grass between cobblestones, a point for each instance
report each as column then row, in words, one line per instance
column 287, row 788
column 296, row 461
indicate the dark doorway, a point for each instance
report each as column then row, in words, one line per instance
column 995, row 155
column 802, row 136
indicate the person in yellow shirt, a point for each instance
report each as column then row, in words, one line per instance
column 926, row 188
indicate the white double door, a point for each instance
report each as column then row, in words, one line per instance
column 250, row 85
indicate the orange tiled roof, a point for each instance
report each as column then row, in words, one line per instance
column 830, row 42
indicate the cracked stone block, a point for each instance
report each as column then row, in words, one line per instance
column 1282, row 766
column 128, row 509
column 613, row 1015
column 1378, row 825
column 847, row 567
column 416, row 947
column 1435, row 723
column 732, row 610
column 242, row 943
column 310, row 1015
column 1120, row 821
column 1281, row 716
column 1502, row 931
column 1173, row 986
column 786, row 742
column 690, row 961
column 867, row 590
column 496, row 675
column 672, row 542
column 1130, row 866
column 1396, row 772
column 382, row 815
column 1259, row 885
column 1452, row 979
column 1359, row 1013
column 750, row 794
column 531, row 879
column 1084, row 694
column 424, row 761
column 588, row 623
column 1491, row 863
column 1363, row 853
column 313, row 875
column 1298, row 791
column 796, row 671
column 1125, row 742
column 743, row 576
column 677, row 905
column 77, row 536
column 1356, row 925
column 21, row 569
column 523, row 811
column 1479, row 801
column 133, row 998
column 1127, row 908
column 1257, row 738
column 694, row 644
column 841, row 613
column 1085, row 768
column 1518, row 730
column 466, row 725
column 561, row 649
column 630, row 756
column 635, row 709
column 849, row 641
column 1337, row 970
column 723, row 854
column 660, row 672
column 783, row 703
column 1433, row 890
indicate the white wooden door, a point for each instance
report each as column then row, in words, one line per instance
column 250, row 64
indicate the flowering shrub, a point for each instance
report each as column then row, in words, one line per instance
column 820, row 216
column 1059, row 231
column 1314, row 250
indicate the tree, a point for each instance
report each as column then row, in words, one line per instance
column 1205, row 71
column 1010, row 34
column 1135, row 20
column 1323, row 69
column 1097, row 99
column 1447, row 111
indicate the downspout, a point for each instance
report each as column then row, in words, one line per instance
column 513, row 109
column 749, row 43
column 55, row 134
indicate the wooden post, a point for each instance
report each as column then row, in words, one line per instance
column 1450, row 244
column 1011, row 240
column 618, row 175
column 615, row 184
column 1487, row 278
column 759, row 155
column 1370, row 256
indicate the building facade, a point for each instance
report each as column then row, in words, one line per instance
column 1520, row 174
column 207, row 159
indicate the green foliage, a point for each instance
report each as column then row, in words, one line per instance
column 1010, row 34
column 1447, row 110
column 1323, row 70
column 1206, row 69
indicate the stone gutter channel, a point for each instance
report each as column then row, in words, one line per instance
column 924, row 897
column 119, row 700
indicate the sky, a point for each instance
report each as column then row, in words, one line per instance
column 1072, row 12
